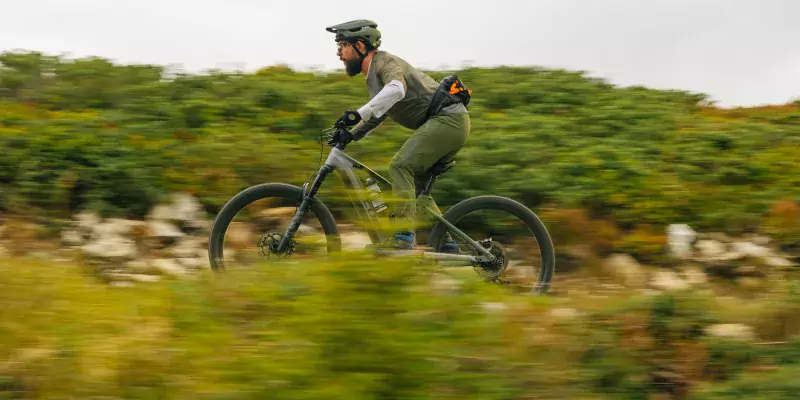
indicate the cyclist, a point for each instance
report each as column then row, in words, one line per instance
column 436, row 112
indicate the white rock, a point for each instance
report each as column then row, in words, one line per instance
column 187, row 247
column 668, row 281
column 625, row 267
column 355, row 240
column 111, row 247
column 144, row 278
column 732, row 331
column 164, row 230
column 778, row 262
column 71, row 237
column 86, row 220
column 750, row 249
column 191, row 263
column 187, row 208
column 169, row 267
column 695, row 276
column 160, row 212
column 680, row 238
column 710, row 248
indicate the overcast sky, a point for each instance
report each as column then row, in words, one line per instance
column 741, row 52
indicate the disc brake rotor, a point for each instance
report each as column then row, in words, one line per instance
column 269, row 242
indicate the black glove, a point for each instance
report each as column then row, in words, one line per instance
column 348, row 119
column 341, row 136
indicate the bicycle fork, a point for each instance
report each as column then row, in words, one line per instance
column 305, row 205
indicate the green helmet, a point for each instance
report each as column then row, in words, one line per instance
column 361, row 29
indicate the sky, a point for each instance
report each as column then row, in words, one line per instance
column 739, row 52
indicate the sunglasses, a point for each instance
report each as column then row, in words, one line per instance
column 342, row 45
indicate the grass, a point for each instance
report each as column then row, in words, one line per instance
column 362, row 328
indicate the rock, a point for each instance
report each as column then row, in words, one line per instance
column 115, row 226
column 187, row 247
column 191, row 263
column 182, row 208
column 668, row 281
column 144, row 278
column 355, row 240
column 72, row 237
column 625, row 267
column 761, row 240
column 778, row 262
column 86, row 220
column 187, row 208
column 732, row 331
column 164, row 230
column 169, row 267
column 719, row 236
column 111, row 247
column 750, row 249
column 121, row 284
column 679, row 239
column 710, row 248
column 161, row 212
column 138, row 266
column 695, row 276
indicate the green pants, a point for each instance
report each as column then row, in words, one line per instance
column 441, row 137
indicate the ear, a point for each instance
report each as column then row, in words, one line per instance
column 361, row 46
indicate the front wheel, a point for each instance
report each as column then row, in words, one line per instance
column 512, row 232
column 251, row 225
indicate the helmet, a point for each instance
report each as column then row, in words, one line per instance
column 361, row 29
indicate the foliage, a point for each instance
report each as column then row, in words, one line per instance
column 356, row 329
column 87, row 133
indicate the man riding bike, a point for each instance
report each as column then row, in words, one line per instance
column 436, row 112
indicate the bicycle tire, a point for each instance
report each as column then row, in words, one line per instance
column 499, row 203
column 262, row 191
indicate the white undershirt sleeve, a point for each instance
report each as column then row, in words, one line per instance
column 391, row 93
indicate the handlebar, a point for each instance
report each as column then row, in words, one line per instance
column 338, row 136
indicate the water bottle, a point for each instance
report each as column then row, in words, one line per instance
column 374, row 194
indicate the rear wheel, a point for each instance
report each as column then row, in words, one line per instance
column 511, row 232
column 250, row 226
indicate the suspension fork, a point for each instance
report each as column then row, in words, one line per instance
column 305, row 205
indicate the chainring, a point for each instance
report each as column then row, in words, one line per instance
column 268, row 245
column 491, row 270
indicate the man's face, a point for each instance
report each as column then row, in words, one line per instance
column 349, row 57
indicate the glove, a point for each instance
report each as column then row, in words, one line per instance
column 341, row 136
column 348, row 119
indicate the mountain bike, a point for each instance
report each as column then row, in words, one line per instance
column 511, row 238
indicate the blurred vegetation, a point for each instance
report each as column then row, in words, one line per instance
column 90, row 134
column 604, row 166
column 359, row 329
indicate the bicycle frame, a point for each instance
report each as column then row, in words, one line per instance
column 347, row 166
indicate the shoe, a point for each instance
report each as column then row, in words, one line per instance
column 404, row 241
column 450, row 246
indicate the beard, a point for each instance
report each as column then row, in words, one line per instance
column 353, row 67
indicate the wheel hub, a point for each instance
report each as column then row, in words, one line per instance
column 491, row 270
column 269, row 242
